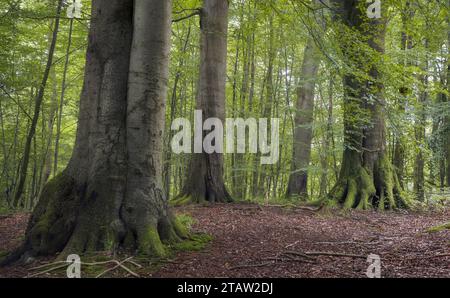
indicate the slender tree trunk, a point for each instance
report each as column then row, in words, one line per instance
column 61, row 100
column 111, row 193
column 304, row 109
column 400, row 139
column 447, row 119
column 46, row 168
column 367, row 178
column 204, row 180
column 266, row 109
column 173, row 105
column 419, row 130
column 37, row 110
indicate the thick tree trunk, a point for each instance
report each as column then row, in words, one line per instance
column 304, row 109
column 367, row 178
column 111, row 193
column 204, row 180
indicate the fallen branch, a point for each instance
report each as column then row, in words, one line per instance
column 430, row 257
column 251, row 265
column 119, row 264
column 65, row 264
column 332, row 254
column 300, row 254
column 348, row 242
column 49, row 270
column 297, row 207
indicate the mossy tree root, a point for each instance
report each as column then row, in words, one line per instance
column 61, row 224
column 364, row 189
column 193, row 197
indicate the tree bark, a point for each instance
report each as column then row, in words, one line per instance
column 419, row 132
column 204, row 180
column 447, row 120
column 304, row 109
column 367, row 178
column 111, row 193
column 400, row 139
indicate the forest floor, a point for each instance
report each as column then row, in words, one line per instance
column 264, row 241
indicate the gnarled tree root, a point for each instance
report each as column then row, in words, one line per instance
column 68, row 221
column 363, row 189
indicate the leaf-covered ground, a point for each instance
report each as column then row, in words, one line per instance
column 254, row 241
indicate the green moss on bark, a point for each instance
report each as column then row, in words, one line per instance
column 150, row 243
column 439, row 228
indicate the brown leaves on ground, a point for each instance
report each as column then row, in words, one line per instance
column 253, row 241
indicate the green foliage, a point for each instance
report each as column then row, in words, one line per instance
column 266, row 42
column 186, row 221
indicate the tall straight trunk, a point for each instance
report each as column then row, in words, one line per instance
column 37, row 110
column 304, row 109
column 111, row 193
column 328, row 141
column 234, row 174
column 447, row 119
column 266, row 109
column 367, row 178
column 419, row 131
column 61, row 100
column 204, row 180
column 173, row 105
column 400, row 139
column 46, row 168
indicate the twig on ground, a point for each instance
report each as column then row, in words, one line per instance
column 118, row 264
column 292, row 244
column 65, row 264
column 49, row 270
column 251, row 265
column 333, row 254
column 300, row 254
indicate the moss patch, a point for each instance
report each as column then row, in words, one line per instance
column 439, row 228
column 196, row 242
column 151, row 244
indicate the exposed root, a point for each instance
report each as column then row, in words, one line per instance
column 439, row 228
column 359, row 188
column 187, row 199
column 73, row 219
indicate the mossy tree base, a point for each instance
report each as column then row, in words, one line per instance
column 363, row 189
column 62, row 222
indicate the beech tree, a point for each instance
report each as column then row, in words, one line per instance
column 367, row 177
column 111, row 192
column 301, row 153
column 204, row 178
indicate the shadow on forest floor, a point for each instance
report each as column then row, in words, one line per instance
column 258, row 241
